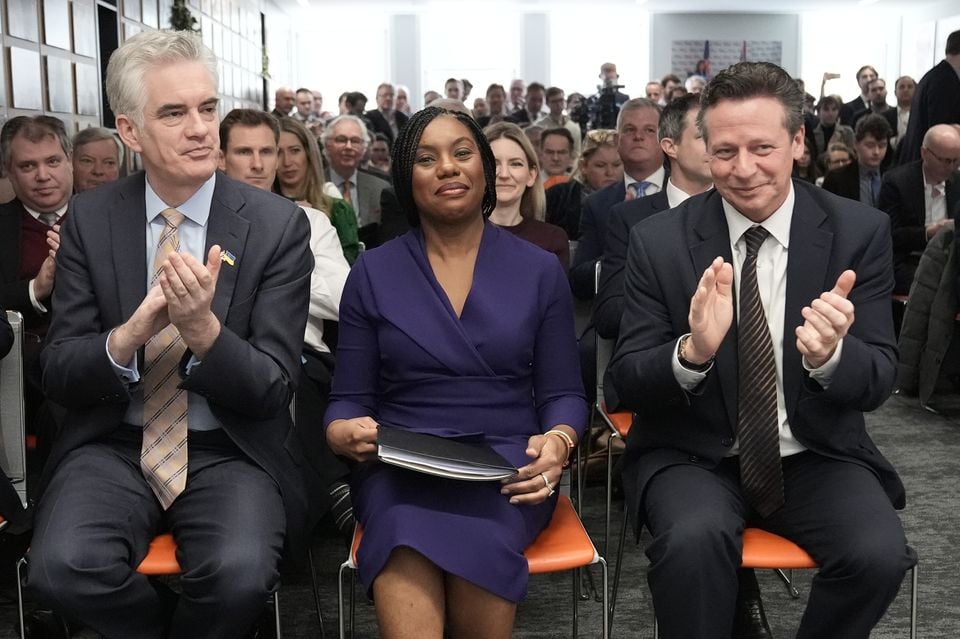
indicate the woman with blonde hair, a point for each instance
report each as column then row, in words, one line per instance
column 521, row 204
column 599, row 165
column 300, row 178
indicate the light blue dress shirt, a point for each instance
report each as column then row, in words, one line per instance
column 192, row 234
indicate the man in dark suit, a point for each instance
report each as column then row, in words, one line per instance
column 921, row 198
column 36, row 154
column 369, row 193
column 643, row 176
column 533, row 109
column 750, row 411
column 284, row 99
column 851, row 111
column 860, row 180
column 181, row 303
column 936, row 100
column 386, row 119
column 899, row 117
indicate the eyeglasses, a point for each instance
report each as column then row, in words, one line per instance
column 552, row 153
column 940, row 159
column 342, row 140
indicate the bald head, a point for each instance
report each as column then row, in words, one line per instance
column 284, row 98
column 940, row 152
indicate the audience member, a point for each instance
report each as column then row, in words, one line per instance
column 97, row 158
column 643, row 175
column 828, row 129
column 467, row 88
column 669, row 83
column 386, row 119
column 300, row 177
column 36, row 156
column 654, row 92
column 921, row 198
column 850, row 111
column 556, row 118
column 342, row 103
column 805, row 167
column 789, row 453
column 402, row 102
column 839, row 155
column 860, row 180
column 430, row 96
column 318, row 108
column 521, row 204
column 249, row 146
column 599, row 166
column 306, row 114
column 380, row 153
column 453, row 89
column 496, row 98
column 219, row 325
column 283, row 102
column 556, row 149
column 449, row 104
column 899, row 117
column 936, row 100
column 603, row 109
column 442, row 555
column 480, row 108
column 356, row 103
column 677, row 92
column 518, row 92
column 533, row 110
column 877, row 94
column 694, row 84
column 378, row 215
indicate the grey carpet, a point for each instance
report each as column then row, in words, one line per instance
column 924, row 447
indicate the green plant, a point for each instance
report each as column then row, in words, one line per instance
column 180, row 17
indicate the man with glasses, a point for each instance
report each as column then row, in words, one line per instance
column 385, row 118
column 344, row 143
column 921, row 198
column 556, row 118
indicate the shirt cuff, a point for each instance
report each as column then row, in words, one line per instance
column 824, row 374
column 128, row 373
column 37, row 306
column 687, row 378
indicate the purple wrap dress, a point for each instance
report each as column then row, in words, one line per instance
column 507, row 368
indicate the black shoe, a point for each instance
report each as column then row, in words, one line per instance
column 749, row 621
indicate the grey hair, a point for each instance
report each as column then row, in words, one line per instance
column 98, row 134
column 34, row 128
column 635, row 104
column 328, row 131
column 145, row 51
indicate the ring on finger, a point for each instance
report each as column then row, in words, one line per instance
column 547, row 485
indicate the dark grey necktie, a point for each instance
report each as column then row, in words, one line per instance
column 761, row 474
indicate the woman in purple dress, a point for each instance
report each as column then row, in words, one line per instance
column 455, row 328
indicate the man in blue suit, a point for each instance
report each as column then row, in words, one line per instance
column 181, row 303
column 749, row 378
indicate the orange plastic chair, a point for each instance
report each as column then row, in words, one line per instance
column 765, row 550
column 161, row 560
column 563, row 545
column 555, row 180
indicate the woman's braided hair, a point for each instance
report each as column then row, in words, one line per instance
column 405, row 151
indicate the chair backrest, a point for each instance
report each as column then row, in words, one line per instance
column 13, row 453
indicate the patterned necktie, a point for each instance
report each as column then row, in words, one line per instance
column 163, row 455
column 639, row 189
column 761, row 474
column 347, row 197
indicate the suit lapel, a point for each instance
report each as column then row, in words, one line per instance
column 229, row 230
column 952, row 194
column 711, row 238
column 915, row 194
column 807, row 261
column 128, row 231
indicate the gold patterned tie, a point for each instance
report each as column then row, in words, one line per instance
column 163, row 455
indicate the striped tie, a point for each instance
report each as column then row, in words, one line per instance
column 163, row 456
column 761, row 474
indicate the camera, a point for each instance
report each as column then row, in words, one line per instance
column 602, row 107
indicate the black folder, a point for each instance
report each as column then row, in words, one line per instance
column 441, row 456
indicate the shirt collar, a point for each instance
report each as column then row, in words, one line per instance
column 778, row 224
column 655, row 178
column 36, row 214
column 196, row 208
column 675, row 195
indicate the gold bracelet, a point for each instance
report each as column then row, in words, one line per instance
column 566, row 440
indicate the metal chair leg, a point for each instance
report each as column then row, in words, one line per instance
column 20, row 564
column 914, row 585
column 316, row 590
column 340, row 612
column 576, row 602
column 616, row 570
column 276, row 614
column 787, row 579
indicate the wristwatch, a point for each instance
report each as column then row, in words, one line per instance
column 696, row 368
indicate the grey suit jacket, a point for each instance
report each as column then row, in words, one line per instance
column 248, row 376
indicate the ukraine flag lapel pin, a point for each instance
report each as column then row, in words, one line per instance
column 228, row 257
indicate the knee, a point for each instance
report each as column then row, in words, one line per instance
column 695, row 538
column 234, row 576
column 65, row 576
column 875, row 557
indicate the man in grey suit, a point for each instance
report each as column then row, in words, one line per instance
column 344, row 142
column 181, row 302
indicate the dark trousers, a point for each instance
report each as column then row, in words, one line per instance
column 835, row 510
column 96, row 519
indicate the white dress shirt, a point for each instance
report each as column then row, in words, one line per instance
column 655, row 179
column 330, row 270
column 772, row 282
column 935, row 208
